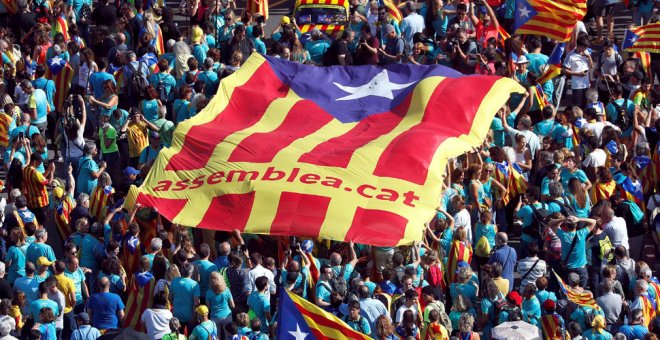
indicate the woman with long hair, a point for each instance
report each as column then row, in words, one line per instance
column 41, row 45
column 579, row 198
column 465, row 324
column 418, row 56
column 38, row 146
column 15, row 257
column 475, row 198
column 182, row 107
column 87, row 67
column 491, row 296
column 408, row 326
column 604, row 187
column 109, row 100
column 46, row 324
column 149, row 105
column 298, row 53
column 219, row 301
column 112, row 269
column 384, row 329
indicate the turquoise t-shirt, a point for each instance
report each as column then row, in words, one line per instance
column 212, row 82
column 37, row 305
column 48, row 331
column 118, row 123
column 183, row 110
column 78, row 277
column 88, row 251
column 545, row 127
column 531, row 310
column 96, row 82
column 168, row 83
column 567, row 175
column 526, row 214
column 260, row 305
column 536, row 61
column 39, row 99
column 150, row 110
column 613, row 114
column 205, row 330
column 562, row 136
column 578, row 315
column 543, row 295
column 205, row 268
column 17, row 267
column 322, row 291
column 577, row 258
column 47, row 86
column 579, row 211
column 593, row 335
column 468, row 290
column 184, row 290
column 485, row 230
column 218, row 304
column 199, row 52
column 37, row 250
column 86, row 182
column 317, row 49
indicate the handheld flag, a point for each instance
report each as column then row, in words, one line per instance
column 60, row 25
column 258, row 7
column 585, row 299
column 300, row 319
column 553, row 68
column 339, row 153
column 645, row 62
column 510, row 179
column 642, row 39
column 393, row 11
column 553, row 19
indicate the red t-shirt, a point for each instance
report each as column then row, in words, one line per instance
column 484, row 33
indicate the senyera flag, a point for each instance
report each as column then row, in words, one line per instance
column 554, row 19
column 340, row 153
column 642, row 39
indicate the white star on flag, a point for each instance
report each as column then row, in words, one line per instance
column 379, row 86
column 524, row 12
column 298, row 334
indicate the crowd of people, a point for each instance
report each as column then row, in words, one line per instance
column 91, row 92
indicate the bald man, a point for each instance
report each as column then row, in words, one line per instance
column 105, row 309
column 504, row 255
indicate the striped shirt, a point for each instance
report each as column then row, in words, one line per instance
column 137, row 138
column 34, row 184
column 525, row 265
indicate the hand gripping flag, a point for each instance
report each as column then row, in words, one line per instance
column 642, row 39
column 338, row 153
column 553, row 19
column 553, row 67
column 300, row 319
column 585, row 299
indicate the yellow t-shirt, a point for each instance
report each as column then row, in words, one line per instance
column 137, row 138
column 15, row 312
column 67, row 287
column 502, row 285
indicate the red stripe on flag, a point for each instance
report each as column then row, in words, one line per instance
column 338, row 151
column 262, row 147
column 300, row 214
column 397, row 161
column 376, row 227
column 228, row 212
column 195, row 153
column 166, row 206
column 322, row 320
column 535, row 25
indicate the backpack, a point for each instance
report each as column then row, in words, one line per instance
column 565, row 207
column 338, row 282
column 588, row 316
column 539, row 221
column 161, row 90
column 513, row 313
column 623, row 117
column 85, row 16
column 499, row 305
column 137, row 82
column 212, row 335
column 359, row 323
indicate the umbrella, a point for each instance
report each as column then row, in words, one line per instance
column 516, row 330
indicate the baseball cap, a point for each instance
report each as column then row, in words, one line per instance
column 58, row 192
column 43, row 261
column 285, row 20
column 197, row 34
column 202, row 310
column 514, row 297
column 84, row 317
column 131, row 171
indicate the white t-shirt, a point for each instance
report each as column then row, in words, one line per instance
column 617, row 232
column 595, row 158
column 22, row 96
column 577, row 63
column 403, row 309
column 157, row 322
column 597, row 128
column 75, row 146
column 258, row 272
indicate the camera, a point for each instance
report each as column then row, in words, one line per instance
column 453, row 42
column 294, row 245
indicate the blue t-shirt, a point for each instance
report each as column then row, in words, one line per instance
column 184, row 290
column 578, row 257
column 168, row 83
column 36, row 250
column 499, row 134
column 37, row 305
column 78, row 277
column 105, row 307
column 86, row 182
column 17, row 267
column 205, row 268
column 634, row 331
column 218, row 304
column 506, row 256
column 47, row 86
column 29, row 286
column 536, row 61
column 199, row 52
column 212, row 82
column 566, row 176
column 316, row 49
column 96, row 81
column 488, row 230
column 545, row 127
column 206, row 330
column 526, row 214
column 468, row 290
column 41, row 105
column 88, row 250
column 260, row 305
column 48, row 331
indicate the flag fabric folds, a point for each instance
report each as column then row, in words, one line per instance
column 645, row 62
column 98, row 201
column 140, row 297
column 551, row 327
column 585, row 299
column 458, row 252
column 10, row 5
column 642, row 39
column 338, row 153
column 510, row 179
column 60, row 25
column 5, row 123
column 301, row 319
column 602, row 191
column 62, row 216
column 553, row 19
column 393, row 11
column 258, row 7
column 553, row 68
column 61, row 73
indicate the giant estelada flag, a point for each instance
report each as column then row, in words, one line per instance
column 340, row 153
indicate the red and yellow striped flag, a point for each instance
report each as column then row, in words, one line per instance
column 648, row 310
column 645, row 62
column 602, row 191
column 319, row 154
column 119, row 77
column 299, row 319
column 62, row 216
column 510, row 179
column 393, row 11
column 642, row 39
column 258, row 7
column 585, row 299
column 62, row 77
column 502, row 34
column 435, row 331
column 98, row 201
column 551, row 327
column 160, row 44
column 140, row 297
column 131, row 254
column 5, row 122
column 555, row 19
column 458, row 252
column 60, row 25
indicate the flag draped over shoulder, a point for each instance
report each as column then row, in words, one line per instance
column 553, row 68
column 458, row 252
column 642, row 39
column 140, row 298
column 62, row 216
column 551, row 327
column 585, row 299
column 553, row 19
column 339, row 153
column 511, row 179
column 60, row 25
column 301, row 319
column 61, row 73
column 98, row 201
column 645, row 62
column 5, row 123
column 602, row 191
